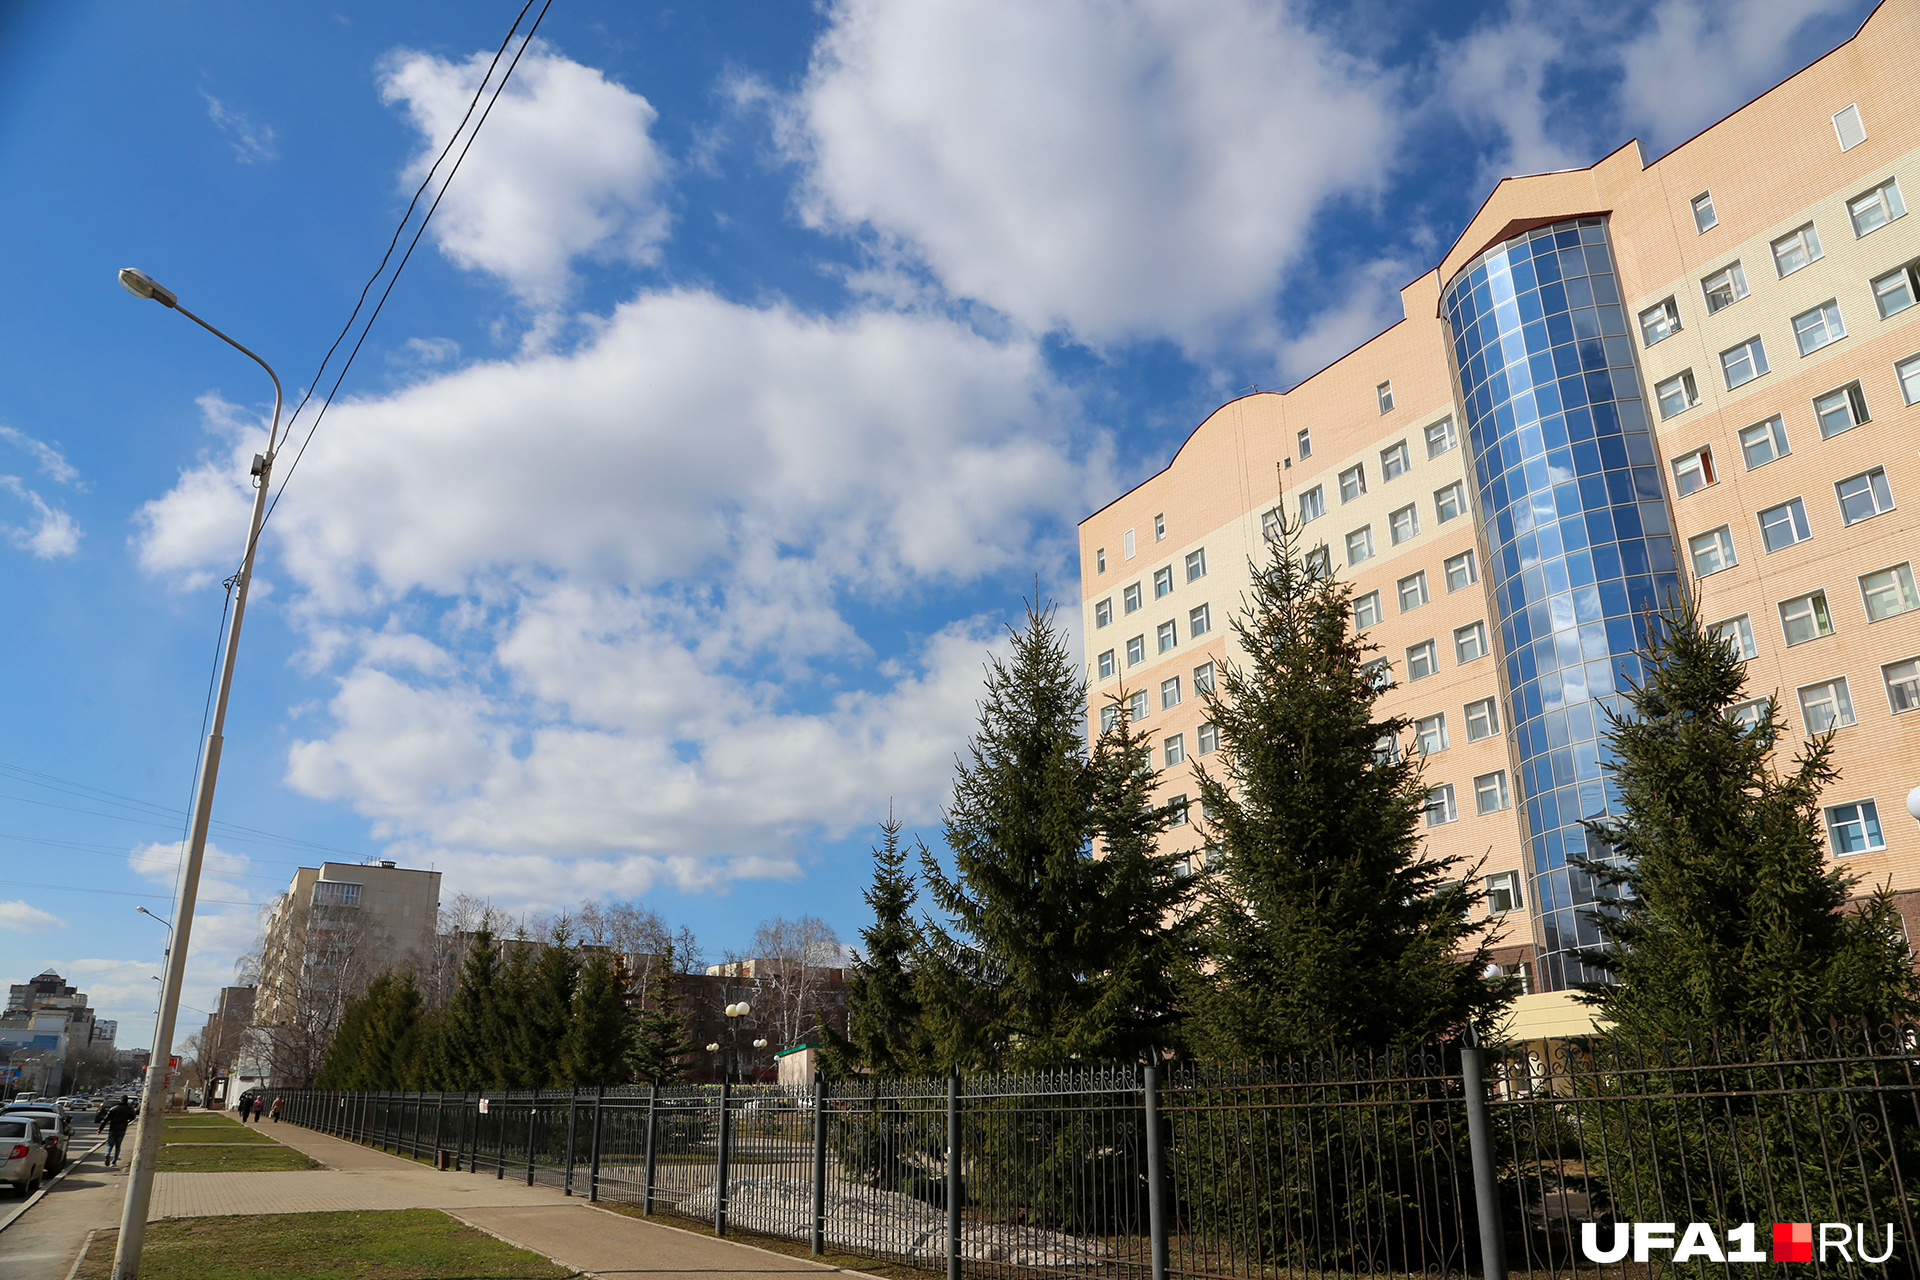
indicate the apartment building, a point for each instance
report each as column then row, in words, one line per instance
column 337, row 925
column 1698, row 374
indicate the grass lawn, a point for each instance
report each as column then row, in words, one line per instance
column 232, row 1157
column 406, row 1244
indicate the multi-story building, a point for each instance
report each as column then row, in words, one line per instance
column 1700, row 373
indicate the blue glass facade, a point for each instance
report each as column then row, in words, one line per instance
column 1574, row 513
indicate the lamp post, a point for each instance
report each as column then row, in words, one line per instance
column 735, row 1012
column 133, row 1214
column 1913, row 803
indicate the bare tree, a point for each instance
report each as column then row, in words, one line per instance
column 313, row 960
column 792, row 959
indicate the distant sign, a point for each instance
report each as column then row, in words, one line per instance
column 483, row 1106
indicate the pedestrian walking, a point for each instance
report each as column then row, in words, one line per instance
column 275, row 1113
column 246, row 1110
column 118, row 1117
column 259, row 1108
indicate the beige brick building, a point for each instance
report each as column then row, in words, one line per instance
column 1617, row 376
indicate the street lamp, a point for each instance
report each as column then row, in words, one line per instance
column 1913, row 803
column 133, row 1213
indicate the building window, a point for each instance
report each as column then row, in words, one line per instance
column 1762, row 442
column 1170, row 693
column 1450, row 501
column 1203, row 678
column 1889, row 592
column 1413, row 591
column 1109, row 717
column 1106, row 664
column 1748, row 715
column 1137, row 705
column 1405, row 523
column 1704, row 218
column 1784, row 525
column 1826, row 706
column 1693, row 472
column 1430, row 734
column 1136, row 651
column 1440, row 806
column 1805, row 618
column 1742, row 364
column 1818, row 327
column 1903, row 685
column 1270, row 525
column 1874, row 209
column 1895, row 291
column 1461, row 571
column 1423, row 660
column 1199, row 620
column 1712, row 552
column 1176, row 750
column 335, row 893
column 1795, row 250
column 1126, row 544
column 1177, row 811
column 1848, row 128
column 1677, row 394
column 1167, row 635
column 1103, row 612
column 1162, row 582
column 1483, row 720
column 1841, row 409
column 1130, row 597
column 1159, row 528
column 1304, row 439
column 1360, row 545
column 1196, row 565
column 1366, row 611
column 1854, row 827
column 1737, row 632
column 1503, row 887
column 1313, row 505
column 1490, row 792
column 1394, row 461
column 1209, row 739
column 1353, row 483
column 1386, row 751
column 1470, row 642
column 1659, row 322
column 1864, row 496
column 1908, row 371
column 1724, row 287
column 1441, row 437
column 1377, row 675
column 1384, row 392
column 1100, row 560
column 1319, row 562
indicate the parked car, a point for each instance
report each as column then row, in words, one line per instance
column 54, row 1126
column 23, row 1154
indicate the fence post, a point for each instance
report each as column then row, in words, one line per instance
column 953, row 1175
column 460, row 1134
column 593, row 1153
column 533, row 1124
column 500, row 1160
column 439, row 1125
column 1493, row 1253
column 720, row 1183
column 819, row 1232
column 573, row 1128
column 1156, row 1178
column 653, row 1112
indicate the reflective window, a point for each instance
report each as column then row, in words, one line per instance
column 1762, row 442
column 1659, row 321
column 1460, row 571
column 1162, row 582
column 1724, row 287
column 1440, row 437
column 1841, row 409
column 1737, row 632
column 1872, row 210
column 1353, row 483
column 1826, row 706
column 1704, row 218
column 1366, row 611
column 1449, row 502
column 1784, row 525
column 1864, row 496
column 1394, row 461
column 1889, row 592
column 1818, row 327
column 1483, row 721
column 1795, row 250
column 1693, row 472
column 1903, row 685
column 1422, row 660
column 1313, row 505
column 1854, row 827
column 1712, row 552
column 1413, row 591
column 1360, row 545
column 1744, row 363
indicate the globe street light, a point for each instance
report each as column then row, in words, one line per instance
column 133, row 1214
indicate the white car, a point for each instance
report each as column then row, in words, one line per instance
column 23, row 1154
column 56, row 1130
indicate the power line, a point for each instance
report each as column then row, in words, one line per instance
column 121, row 893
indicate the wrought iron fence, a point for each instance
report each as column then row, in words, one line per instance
column 1536, row 1159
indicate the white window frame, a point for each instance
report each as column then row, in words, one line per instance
column 1174, row 748
column 1136, row 650
column 1209, row 738
column 1497, row 783
column 1366, row 611
column 1900, row 584
column 1170, row 693
column 1199, row 620
column 1109, row 717
column 1126, row 544
column 1804, row 240
column 1455, row 493
column 1395, row 461
column 1806, row 616
column 1303, row 442
column 1130, row 598
column 1848, row 128
column 1834, row 691
column 1100, row 560
column 1166, row 636
column 1663, row 318
column 1313, row 504
column 1362, row 549
column 1163, row 582
column 1739, row 630
column 1108, row 664
column 1507, row 882
column 1466, row 560
column 1441, row 808
column 1906, row 689
column 1789, row 517
column 1730, row 280
column 1196, row 564
column 1752, row 353
column 1677, row 394
column 1693, row 471
column 1852, row 398
column 1270, row 524
column 1203, row 678
column 1474, row 633
column 1864, row 812
column 1722, row 548
column 1425, row 654
column 1819, row 327
column 1704, row 217
column 1447, row 439
column 1882, row 196
column 1384, row 394
column 1353, row 483
column 1430, row 734
column 1418, row 581
column 1774, row 431
column 1907, row 372
column 1879, row 494
column 1748, row 714
column 1177, row 814
column 1480, row 726
column 1103, row 613
column 1139, row 706
column 1903, row 280
column 1411, row 528
column 1160, row 528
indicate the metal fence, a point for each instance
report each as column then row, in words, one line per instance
column 1534, row 1160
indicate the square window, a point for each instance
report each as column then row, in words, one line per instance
column 1196, row 565
column 1106, row 664
column 1818, row 327
column 1163, row 582
column 1470, row 642
column 1841, row 409
column 1270, row 526
column 1704, row 218
column 1854, row 827
column 1103, row 612
column 1748, row 715
column 1366, row 611
column 1440, row 437
column 1177, row 811
column 1385, row 394
column 1483, row 720
column 1903, row 685
column 1176, row 750
column 1100, row 560
column 1744, row 363
column 1304, row 439
column 1805, row 618
column 1126, row 544
column 1503, row 887
column 1199, row 621
column 1353, row 483
column 1405, row 523
column 1659, row 322
column 1712, row 552
column 1762, row 442
column 1450, row 501
column 1203, row 678
column 1413, row 591
column 1677, row 394
column 1318, row 562
column 1693, row 472
column 1422, row 660
column 1440, row 806
column 1737, row 632
column 1795, row 250
column 1159, row 528
column 1313, row 505
column 1360, row 545
column 1386, row 751
column 1724, row 287
column 1170, row 693
column 1908, row 371
column 1872, row 210
column 1848, row 128
column 1784, row 525
column 1137, row 705
column 1864, row 496
column 1377, row 675
column 1826, row 706
column 1461, row 571
column 1167, row 636
column 1130, row 597
column 1490, row 795
column 1895, row 291
column 1889, row 592
column 1394, row 461
column 1209, row 739
column 1136, row 651
column 1109, row 717
column 1430, row 734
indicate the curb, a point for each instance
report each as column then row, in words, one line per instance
column 48, row 1185
column 738, row 1244
column 86, row 1247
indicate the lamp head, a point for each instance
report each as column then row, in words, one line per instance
column 141, row 285
column 1913, row 803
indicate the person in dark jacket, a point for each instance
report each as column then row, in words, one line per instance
column 119, row 1116
column 259, row 1108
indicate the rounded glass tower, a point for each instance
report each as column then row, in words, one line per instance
column 1579, row 535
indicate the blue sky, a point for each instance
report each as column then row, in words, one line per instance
column 758, row 361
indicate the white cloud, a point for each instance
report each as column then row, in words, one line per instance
column 195, row 533
column 53, row 463
column 252, row 141
column 1118, row 170
column 51, row 533
column 1502, row 78
column 565, row 167
column 23, row 917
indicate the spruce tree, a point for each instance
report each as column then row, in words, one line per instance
column 469, row 1046
column 657, row 1032
column 547, row 977
column 1730, row 920
column 381, row 1047
column 886, row 1033
column 596, row 1047
column 1327, row 926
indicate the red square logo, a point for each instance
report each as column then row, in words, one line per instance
column 1793, row 1242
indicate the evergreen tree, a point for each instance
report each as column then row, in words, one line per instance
column 657, row 1032
column 596, row 1048
column 1730, row 920
column 382, row 1044
column 886, row 1033
column 468, row 1050
column 1327, row 926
